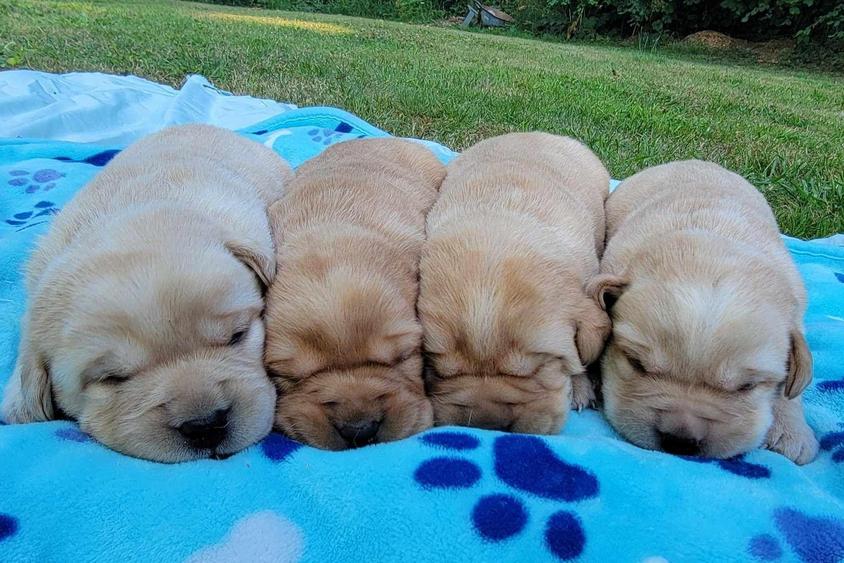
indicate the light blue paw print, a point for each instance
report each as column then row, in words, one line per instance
column 327, row 136
column 43, row 179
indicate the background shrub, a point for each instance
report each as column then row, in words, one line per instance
column 756, row 20
column 818, row 21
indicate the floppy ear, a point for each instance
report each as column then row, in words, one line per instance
column 399, row 337
column 799, row 365
column 27, row 397
column 593, row 328
column 258, row 261
column 605, row 289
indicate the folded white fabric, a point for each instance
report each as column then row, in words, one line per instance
column 115, row 110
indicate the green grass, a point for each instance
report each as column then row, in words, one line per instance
column 781, row 128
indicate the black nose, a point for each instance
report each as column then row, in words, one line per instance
column 678, row 445
column 208, row 432
column 359, row 433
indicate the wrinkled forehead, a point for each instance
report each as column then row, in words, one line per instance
column 155, row 303
column 714, row 332
column 505, row 352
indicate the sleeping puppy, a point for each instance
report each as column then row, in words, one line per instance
column 144, row 322
column 343, row 341
column 512, row 241
column 707, row 355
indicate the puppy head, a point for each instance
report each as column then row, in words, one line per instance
column 158, row 356
column 504, row 335
column 344, row 349
column 694, row 367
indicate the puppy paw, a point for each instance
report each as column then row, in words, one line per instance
column 582, row 392
column 796, row 441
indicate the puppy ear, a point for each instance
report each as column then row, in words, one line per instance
column 799, row 365
column 257, row 260
column 605, row 289
column 593, row 329
column 399, row 338
column 27, row 397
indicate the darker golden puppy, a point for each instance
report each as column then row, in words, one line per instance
column 513, row 238
column 343, row 341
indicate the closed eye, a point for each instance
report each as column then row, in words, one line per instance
column 747, row 387
column 635, row 363
column 114, row 378
column 237, row 337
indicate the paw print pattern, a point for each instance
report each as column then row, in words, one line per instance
column 526, row 463
column 72, row 434
column 99, row 159
column 447, row 473
column 499, row 516
column 278, row 447
column 40, row 180
column 765, row 547
column 736, row 465
column 327, row 136
column 27, row 219
column 834, row 442
column 530, row 468
column 8, row 526
column 813, row 539
column 831, row 386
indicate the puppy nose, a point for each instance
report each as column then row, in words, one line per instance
column 678, row 445
column 208, row 432
column 359, row 433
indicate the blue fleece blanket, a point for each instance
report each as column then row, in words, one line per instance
column 449, row 494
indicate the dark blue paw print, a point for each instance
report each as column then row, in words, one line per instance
column 327, row 136
column 834, row 442
column 278, row 447
column 736, row 465
column 72, row 434
column 8, row 526
column 813, row 539
column 43, row 179
column 528, row 466
column 97, row 159
column 27, row 219
column 832, row 386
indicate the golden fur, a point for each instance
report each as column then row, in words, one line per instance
column 707, row 354
column 137, row 289
column 513, row 238
column 343, row 341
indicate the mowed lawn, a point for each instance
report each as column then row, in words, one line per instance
column 783, row 129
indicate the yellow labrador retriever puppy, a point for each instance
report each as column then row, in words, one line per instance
column 144, row 322
column 512, row 241
column 707, row 355
column 343, row 341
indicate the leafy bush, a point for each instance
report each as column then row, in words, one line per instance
column 820, row 20
column 414, row 10
column 805, row 20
